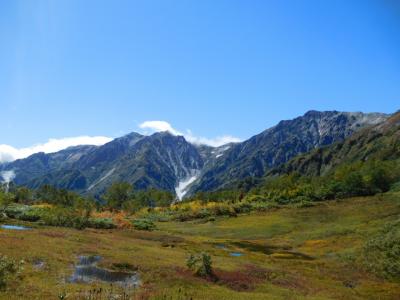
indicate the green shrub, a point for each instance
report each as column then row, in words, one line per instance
column 242, row 207
column 79, row 222
column 255, row 198
column 8, row 269
column 187, row 215
column 25, row 212
column 223, row 209
column 31, row 215
column 3, row 216
column 14, row 211
column 5, row 199
column 395, row 187
column 184, row 216
column 144, row 224
column 101, row 223
column 303, row 202
column 264, row 206
column 200, row 264
column 58, row 216
column 201, row 214
column 64, row 218
column 382, row 252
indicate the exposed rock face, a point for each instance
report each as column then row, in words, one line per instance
column 280, row 143
column 160, row 161
column 380, row 142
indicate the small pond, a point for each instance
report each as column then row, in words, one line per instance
column 14, row 227
column 221, row 246
column 38, row 264
column 280, row 252
column 225, row 248
column 86, row 271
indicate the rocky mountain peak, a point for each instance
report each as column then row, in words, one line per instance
column 166, row 161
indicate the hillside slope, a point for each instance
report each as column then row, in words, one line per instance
column 380, row 142
column 277, row 145
column 159, row 161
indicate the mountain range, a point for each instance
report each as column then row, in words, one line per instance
column 380, row 142
column 169, row 162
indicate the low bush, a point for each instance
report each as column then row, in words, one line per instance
column 56, row 216
column 144, row 224
column 221, row 209
column 200, row 264
column 14, row 211
column 187, row 215
column 5, row 199
column 8, row 269
column 64, row 218
column 3, row 216
column 101, row 223
column 382, row 252
column 242, row 207
column 31, row 215
column 395, row 187
column 303, row 202
column 24, row 212
column 263, row 206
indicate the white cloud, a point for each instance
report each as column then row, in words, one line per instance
column 7, row 176
column 9, row 153
column 215, row 142
column 158, row 126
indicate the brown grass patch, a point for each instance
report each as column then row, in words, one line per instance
column 295, row 283
column 52, row 234
column 238, row 280
column 156, row 237
column 243, row 280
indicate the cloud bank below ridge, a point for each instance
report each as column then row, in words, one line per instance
column 9, row 153
column 158, row 126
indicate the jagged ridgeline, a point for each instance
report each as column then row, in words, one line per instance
column 168, row 162
column 380, row 142
column 277, row 145
column 366, row 163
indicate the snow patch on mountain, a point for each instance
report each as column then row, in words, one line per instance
column 7, row 176
column 102, row 179
column 183, row 186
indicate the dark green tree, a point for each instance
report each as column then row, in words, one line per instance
column 117, row 194
column 23, row 195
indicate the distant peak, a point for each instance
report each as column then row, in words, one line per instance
column 314, row 113
column 130, row 136
column 163, row 134
column 166, row 133
column 133, row 134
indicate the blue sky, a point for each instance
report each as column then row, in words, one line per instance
column 218, row 67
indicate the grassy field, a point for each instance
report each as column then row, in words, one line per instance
column 289, row 253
